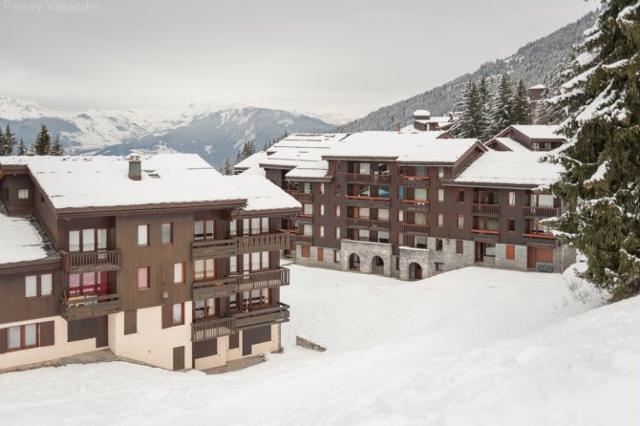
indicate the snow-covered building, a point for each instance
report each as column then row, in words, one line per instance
column 530, row 137
column 423, row 121
column 410, row 205
column 158, row 258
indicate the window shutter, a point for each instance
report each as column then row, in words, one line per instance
column 46, row 333
column 3, row 340
column 166, row 315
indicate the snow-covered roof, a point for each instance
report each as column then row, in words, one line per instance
column 261, row 193
column 512, row 144
column 507, row 167
column 538, row 86
column 422, row 147
column 251, row 161
column 102, row 181
column 19, row 240
column 538, row 131
column 421, row 113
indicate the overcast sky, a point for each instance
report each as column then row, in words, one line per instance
column 329, row 56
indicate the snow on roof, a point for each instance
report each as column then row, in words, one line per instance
column 261, row 193
column 252, row 160
column 102, row 181
column 404, row 147
column 538, row 131
column 421, row 113
column 512, row 144
column 538, row 86
column 507, row 167
column 20, row 241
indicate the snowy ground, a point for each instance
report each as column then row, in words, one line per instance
column 469, row 347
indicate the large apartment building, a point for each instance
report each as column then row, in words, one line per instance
column 411, row 204
column 158, row 258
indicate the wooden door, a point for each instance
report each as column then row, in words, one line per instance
column 178, row 358
column 531, row 257
column 479, row 255
column 320, row 254
column 102, row 331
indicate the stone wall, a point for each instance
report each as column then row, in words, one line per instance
column 520, row 261
column 409, row 255
column 448, row 257
column 312, row 260
column 366, row 250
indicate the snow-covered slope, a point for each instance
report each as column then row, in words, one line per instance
column 212, row 131
column 469, row 347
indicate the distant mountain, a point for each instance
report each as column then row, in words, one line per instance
column 536, row 62
column 212, row 132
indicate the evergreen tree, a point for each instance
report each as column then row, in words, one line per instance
column 56, row 148
column 521, row 112
column 462, row 127
column 502, row 106
column 485, row 100
column 42, row 143
column 1, row 142
column 601, row 181
column 227, row 168
column 21, row 148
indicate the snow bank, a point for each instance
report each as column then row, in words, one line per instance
column 19, row 240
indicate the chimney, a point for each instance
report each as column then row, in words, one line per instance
column 135, row 168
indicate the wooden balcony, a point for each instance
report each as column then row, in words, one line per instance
column 211, row 249
column 301, row 196
column 539, row 235
column 239, row 283
column 82, row 307
column 485, row 231
column 481, row 209
column 261, row 317
column 263, row 242
column 90, row 261
column 368, row 179
column 535, row 212
column 212, row 329
column 415, row 204
column 214, row 288
column 415, row 228
column 367, row 223
column 415, row 181
column 299, row 238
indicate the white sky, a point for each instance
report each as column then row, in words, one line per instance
column 345, row 57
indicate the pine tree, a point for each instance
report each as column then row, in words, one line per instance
column 1, row 142
column 227, row 168
column 601, row 181
column 21, row 148
column 521, row 112
column 502, row 106
column 485, row 100
column 9, row 141
column 42, row 143
column 56, row 148
column 463, row 127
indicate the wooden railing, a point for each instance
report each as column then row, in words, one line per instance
column 90, row 261
column 302, row 238
column 485, row 231
column 374, row 179
column 239, row 283
column 261, row 317
column 539, row 235
column 485, row 209
column 415, row 181
column 214, row 288
column 366, row 223
column 415, row 202
column 300, row 196
column 211, row 249
column 531, row 211
column 263, row 242
column 415, row 228
column 82, row 307
column 212, row 329
column 367, row 198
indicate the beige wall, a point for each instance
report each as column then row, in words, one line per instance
column 60, row 349
column 151, row 344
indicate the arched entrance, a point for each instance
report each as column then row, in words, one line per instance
column 377, row 265
column 415, row 271
column 354, row 262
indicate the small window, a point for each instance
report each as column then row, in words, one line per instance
column 337, row 233
column 321, row 231
column 439, row 266
column 306, row 188
column 14, row 338
column 337, row 211
column 460, row 221
column 255, row 261
column 308, row 209
column 198, row 230
column 308, row 229
column 209, row 268
column 166, row 230
column 459, row 247
column 321, row 209
column 438, row 244
column 383, row 236
column 265, row 225
column 322, row 188
column 88, row 240
column 364, row 212
column 209, row 229
column 178, row 273
column 265, row 259
column 177, row 316
column 440, row 219
column 30, row 335
column 383, row 214
column 512, row 198
column 233, row 228
column 400, row 215
column 102, row 238
column 233, row 264
column 74, row 241
column 461, row 195
column 512, row 225
column 440, row 195
column 440, row 172
column 420, row 194
column 365, row 169
column 31, row 286
column 143, row 277
column 23, row 194
column 143, row 235
column 46, row 284
column 510, row 252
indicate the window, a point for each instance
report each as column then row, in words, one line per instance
column 209, row 229
column 383, row 236
column 321, row 209
column 308, row 230
column 460, row 221
column 383, row 214
column 23, row 194
column 337, row 211
column 490, row 249
column 320, row 254
column 255, row 225
column 143, row 235
column 198, row 230
column 306, row 251
column 321, row 231
column 512, row 198
column 166, row 232
column 265, row 260
column 536, row 146
column 438, row 244
column 337, row 233
column 440, row 172
column 420, row 194
column 233, row 264
column 440, row 219
column 143, row 277
column 46, row 284
column 510, row 252
column 439, row 266
column 400, row 216
column 545, row 200
column 306, row 188
column 265, row 225
column 461, row 195
column 322, row 188
column 233, row 228
column 440, row 195
column 102, row 238
column 245, row 226
column 205, row 308
column 233, row 301
column 420, row 242
column 74, row 240
column 88, row 240
column 15, row 337
column 364, row 212
column 177, row 316
column 209, row 268
column 511, row 225
column 23, row 336
column 307, row 209
column 459, row 247
column 255, row 261
column 178, row 273
column 31, row 286
column 363, row 234
column 365, row 168
column 420, row 218
column 246, row 263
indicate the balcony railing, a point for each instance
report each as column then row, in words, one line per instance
column 539, row 235
column 82, row 307
column 212, row 329
column 263, row 242
column 300, row 196
column 531, row 211
column 482, row 209
column 415, row 228
column 91, row 261
column 415, row 202
column 299, row 238
column 415, row 181
column 372, row 179
column 211, row 249
column 485, row 231
column 239, row 283
column 261, row 317
column 367, row 198
column 367, row 223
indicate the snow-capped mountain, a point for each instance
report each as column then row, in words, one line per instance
column 212, row 131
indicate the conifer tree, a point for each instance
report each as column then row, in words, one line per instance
column 521, row 112
column 485, row 100
column 502, row 106
column 9, row 141
column 42, row 143
column 227, row 168
column 601, row 181
column 464, row 127
column 56, row 148
column 1, row 142
column 21, row 148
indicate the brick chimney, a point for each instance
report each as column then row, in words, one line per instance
column 135, row 168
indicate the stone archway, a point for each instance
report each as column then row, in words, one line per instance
column 377, row 265
column 415, row 271
column 354, row 262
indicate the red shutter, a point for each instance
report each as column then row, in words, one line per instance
column 511, row 252
column 320, row 254
column 47, row 333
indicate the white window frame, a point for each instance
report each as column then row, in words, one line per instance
column 143, row 235
column 31, row 286
column 23, row 194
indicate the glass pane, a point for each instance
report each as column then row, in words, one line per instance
column 74, row 240
column 31, row 286
column 143, row 277
column 233, row 227
column 245, row 226
column 209, row 268
column 165, row 230
column 143, row 238
column 88, row 240
column 265, row 259
column 233, row 264
column 365, row 168
column 30, row 335
column 209, row 230
column 545, row 200
column 265, row 225
column 198, row 230
column 46, row 284
column 14, row 337
column 255, row 225
column 177, row 313
column 420, row 194
column 102, row 239
column 177, row 273
column 255, row 261
column 198, row 269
